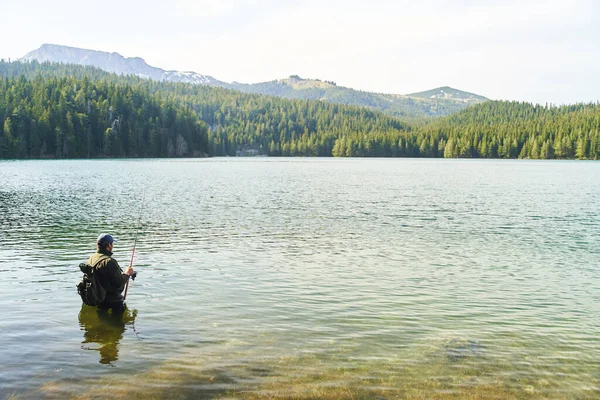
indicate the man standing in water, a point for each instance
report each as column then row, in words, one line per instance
column 110, row 275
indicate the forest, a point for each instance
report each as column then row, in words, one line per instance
column 494, row 129
column 68, row 111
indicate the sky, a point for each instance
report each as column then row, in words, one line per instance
column 540, row 51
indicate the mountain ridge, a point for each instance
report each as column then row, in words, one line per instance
column 432, row 103
column 115, row 63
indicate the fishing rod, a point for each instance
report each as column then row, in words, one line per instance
column 134, row 243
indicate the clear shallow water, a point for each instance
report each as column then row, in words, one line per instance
column 305, row 278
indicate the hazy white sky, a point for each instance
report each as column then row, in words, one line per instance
column 532, row 50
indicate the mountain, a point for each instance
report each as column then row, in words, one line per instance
column 412, row 106
column 51, row 110
column 448, row 93
column 433, row 103
column 116, row 63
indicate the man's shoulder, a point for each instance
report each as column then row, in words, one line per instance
column 99, row 259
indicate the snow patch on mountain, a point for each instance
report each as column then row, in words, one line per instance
column 115, row 63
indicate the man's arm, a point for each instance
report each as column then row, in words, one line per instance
column 115, row 277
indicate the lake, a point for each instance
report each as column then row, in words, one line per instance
column 304, row 278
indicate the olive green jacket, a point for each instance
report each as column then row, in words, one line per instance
column 110, row 274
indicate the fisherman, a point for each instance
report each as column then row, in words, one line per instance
column 110, row 275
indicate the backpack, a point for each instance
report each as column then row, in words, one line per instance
column 91, row 291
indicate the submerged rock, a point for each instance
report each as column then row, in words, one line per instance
column 457, row 349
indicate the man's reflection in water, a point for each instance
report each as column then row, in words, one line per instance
column 104, row 328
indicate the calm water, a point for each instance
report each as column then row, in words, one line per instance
column 305, row 278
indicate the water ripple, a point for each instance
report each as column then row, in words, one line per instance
column 388, row 278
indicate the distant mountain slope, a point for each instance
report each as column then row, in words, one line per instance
column 116, row 63
column 448, row 93
column 433, row 103
column 408, row 106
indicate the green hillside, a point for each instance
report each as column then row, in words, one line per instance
column 494, row 129
column 60, row 111
column 408, row 107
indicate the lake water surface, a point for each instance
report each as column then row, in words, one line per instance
column 305, row 278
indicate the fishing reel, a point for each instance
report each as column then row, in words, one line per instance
column 133, row 276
